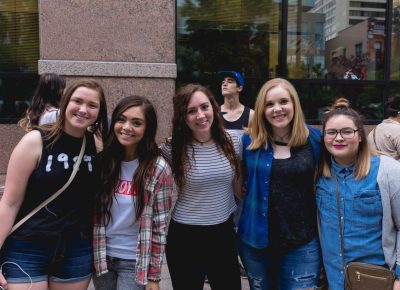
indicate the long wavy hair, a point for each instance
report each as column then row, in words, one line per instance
column 182, row 134
column 113, row 154
column 48, row 92
column 363, row 160
column 99, row 128
column 260, row 131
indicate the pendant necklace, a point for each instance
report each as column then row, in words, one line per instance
column 202, row 142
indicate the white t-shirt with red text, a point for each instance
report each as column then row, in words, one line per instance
column 122, row 231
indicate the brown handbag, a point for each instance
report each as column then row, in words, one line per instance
column 362, row 276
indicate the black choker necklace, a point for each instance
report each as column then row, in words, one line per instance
column 280, row 143
column 202, row 142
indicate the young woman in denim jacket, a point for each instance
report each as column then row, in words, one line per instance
column 369, row 192
column 133, row 203
column 278, row 229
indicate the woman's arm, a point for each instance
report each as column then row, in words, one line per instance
column 23, row 161
column 164, row 195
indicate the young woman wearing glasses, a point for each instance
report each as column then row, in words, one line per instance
column 368, row 190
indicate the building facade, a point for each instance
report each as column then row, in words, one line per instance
column 326, row 48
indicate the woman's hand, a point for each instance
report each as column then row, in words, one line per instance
column 396, row 285
column 156, row 285
column 3, row 282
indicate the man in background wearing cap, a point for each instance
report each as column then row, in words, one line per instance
column 235, row 115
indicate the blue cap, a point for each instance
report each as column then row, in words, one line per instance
column 234, row 74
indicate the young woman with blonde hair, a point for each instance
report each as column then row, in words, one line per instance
column 278, row 229
column 366, row 188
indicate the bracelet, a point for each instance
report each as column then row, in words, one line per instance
column 154, row 280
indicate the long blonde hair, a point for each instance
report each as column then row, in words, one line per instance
column 260, row 130
column 363, row 160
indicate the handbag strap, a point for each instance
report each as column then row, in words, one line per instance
column 58, row 192
column 374, row 138
column 340, row 221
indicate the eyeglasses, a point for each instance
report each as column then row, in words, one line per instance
column 346, row 133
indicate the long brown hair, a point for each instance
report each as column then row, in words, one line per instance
column 182, row 134
column 363, row 160
column 100, row 127
column 260, row 131
column 48, row 92
column 113, row 154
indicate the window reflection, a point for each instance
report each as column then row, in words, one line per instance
column 395, row 47
column 316, row 99
column 240, row 34
column 332, row 40
column 19, row 54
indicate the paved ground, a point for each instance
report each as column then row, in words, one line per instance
column 165, row 283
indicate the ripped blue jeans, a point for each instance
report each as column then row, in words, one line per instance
column 291, row 270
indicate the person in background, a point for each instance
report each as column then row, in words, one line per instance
column 236, row 116
column 53, row 249
column 385, row 138
column 204, row 160
column 278, row 228
column 45, row 102
column 367, row 188
column 133, row 203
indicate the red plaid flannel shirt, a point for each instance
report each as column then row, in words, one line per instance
column 160, row 194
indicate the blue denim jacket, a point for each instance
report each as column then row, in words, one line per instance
column 253, row 224
column 361, row 217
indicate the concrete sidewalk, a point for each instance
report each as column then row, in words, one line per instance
column 165, row 283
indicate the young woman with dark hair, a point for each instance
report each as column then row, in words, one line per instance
column 364, row 190
column 204, row 161
column 53, row 249
column 45, row 102
column 134, row 201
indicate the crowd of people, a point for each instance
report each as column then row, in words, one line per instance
column 88, row 196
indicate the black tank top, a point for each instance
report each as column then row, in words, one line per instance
column 71, row 212
column 243, row 121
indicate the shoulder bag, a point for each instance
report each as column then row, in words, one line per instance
column 362, row 276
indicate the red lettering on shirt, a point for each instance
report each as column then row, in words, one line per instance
column 125, row 187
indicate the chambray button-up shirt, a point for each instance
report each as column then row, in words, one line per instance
column 361, row 216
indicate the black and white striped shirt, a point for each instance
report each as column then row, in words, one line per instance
column 207, row 197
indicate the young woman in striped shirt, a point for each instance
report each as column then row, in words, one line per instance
column 203, row 158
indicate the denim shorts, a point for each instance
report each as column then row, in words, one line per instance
column 55, row 259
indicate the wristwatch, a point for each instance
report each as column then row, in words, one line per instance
column 153, row 280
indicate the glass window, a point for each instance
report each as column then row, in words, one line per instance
column 317, row 98
column 395, row 46
column 327, row 48
column 19, row 54
column 237, row 34
column 324, row 38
